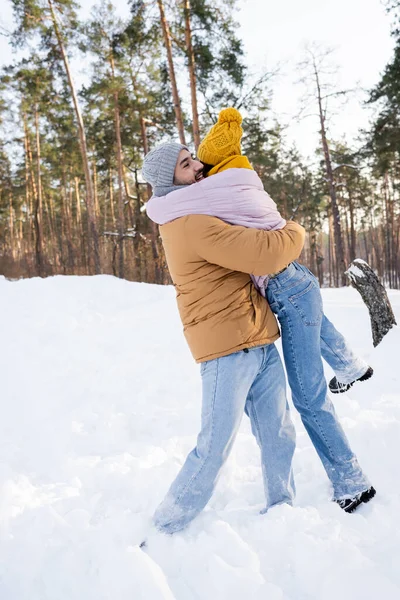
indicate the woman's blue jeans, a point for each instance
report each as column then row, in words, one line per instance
column 307, row 335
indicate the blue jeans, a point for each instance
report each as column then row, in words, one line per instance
column 335, row 350
column 253, row 382
column 295, row 298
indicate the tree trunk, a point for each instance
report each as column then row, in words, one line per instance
column 352, row 247
column 92, row 226
column 68, row 224
column 57, row 241
column 332, row 188
column 313, row 251
column 192, row 74
column 111, row 189
column 153, row 226
column 376, row 252
column 33, row 199
column 11, row 226
column 396, row 252
column 79, row 225
column 78, row 208
column 145, row 149
column 105, row 213
column 39, row 204
column 366, row 245
column 129, row 197
column 95, row 194
column 375, row 297
column 320, row 260
column 21, row 249
column 171, row 69
column 136, row 243
column 332, row 258
column 48, row 240
column 121, row 218
column 28, row 195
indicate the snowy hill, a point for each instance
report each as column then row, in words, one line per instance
column 100, row 404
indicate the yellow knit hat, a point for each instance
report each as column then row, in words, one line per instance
column 223, row 140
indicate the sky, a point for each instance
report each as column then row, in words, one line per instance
column 275, row 33
column 357, row 30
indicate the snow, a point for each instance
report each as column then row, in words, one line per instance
column 100, row 405
column 354, row 270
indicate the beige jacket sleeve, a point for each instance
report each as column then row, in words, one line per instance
column 253, row 251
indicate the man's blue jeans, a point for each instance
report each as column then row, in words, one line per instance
column 253, row 382
column 295, row 298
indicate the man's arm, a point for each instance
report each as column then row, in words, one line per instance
column 253, row 251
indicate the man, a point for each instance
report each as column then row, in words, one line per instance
column 231, row 332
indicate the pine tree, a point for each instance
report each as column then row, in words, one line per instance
column 43, row 17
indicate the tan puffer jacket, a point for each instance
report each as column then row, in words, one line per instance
column 209, row 262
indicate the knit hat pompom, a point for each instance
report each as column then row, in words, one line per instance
column 223, row 140
column 230, row 115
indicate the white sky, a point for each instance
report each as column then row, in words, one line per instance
column 359, row 30
column 275, row 32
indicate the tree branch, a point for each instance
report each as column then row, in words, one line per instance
column 340, row 93
column 4, row 32
column 265, row 77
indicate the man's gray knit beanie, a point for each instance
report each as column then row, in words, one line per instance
column 159, row 167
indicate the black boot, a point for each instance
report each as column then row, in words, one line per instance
column 350, row 504
column 339, row 388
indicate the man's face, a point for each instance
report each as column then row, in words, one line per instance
column 188, row 170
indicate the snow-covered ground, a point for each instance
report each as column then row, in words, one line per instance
column 100, row 403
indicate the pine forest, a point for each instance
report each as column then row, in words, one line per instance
column 83, row 100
